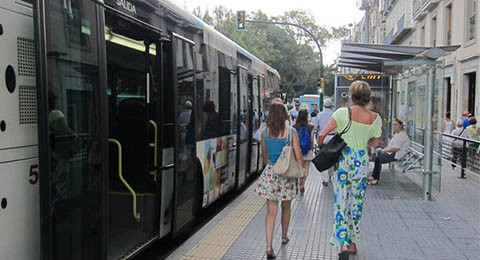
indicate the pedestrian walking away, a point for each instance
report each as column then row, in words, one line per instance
column 322, row 120
column 270, row 185
column 263, row 125
column 350, row 180
column 305, row 135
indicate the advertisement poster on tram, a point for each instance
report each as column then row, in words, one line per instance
column 214, row 157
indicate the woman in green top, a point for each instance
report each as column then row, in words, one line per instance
column 350, row 181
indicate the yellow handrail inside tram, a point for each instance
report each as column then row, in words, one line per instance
column 154, row 145
column 136, row 215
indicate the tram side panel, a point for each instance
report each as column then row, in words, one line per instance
column 18, row 113
column 19, row 176
column 19, row 211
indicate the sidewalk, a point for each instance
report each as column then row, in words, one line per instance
column 396, row 224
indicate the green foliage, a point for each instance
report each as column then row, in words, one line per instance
column 287, row 48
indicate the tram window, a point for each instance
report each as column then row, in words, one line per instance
column 78, row 27
column 168, row 98
column 224, row 105
column 185, row 89
column 208, row 117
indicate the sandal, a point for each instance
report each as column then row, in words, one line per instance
column 285, row 240
column 270, row 253
column 374, row 182
column 302, row 190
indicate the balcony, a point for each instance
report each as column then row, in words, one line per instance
column 389, row 37
column 388, row 5
column 403, row 27
column 429, row 5
column 418, row 13
column 471, row 29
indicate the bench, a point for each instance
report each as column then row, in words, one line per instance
column 412, row 160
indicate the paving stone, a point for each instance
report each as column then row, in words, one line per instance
column 396, row 224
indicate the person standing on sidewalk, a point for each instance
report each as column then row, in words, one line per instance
column 294, row 112
column 456, row 144
column 447, row 127
column 350, row 182
column 472, row 133
column 466, row 117
column 322, row 120
column 396, row 150
column 270, row 185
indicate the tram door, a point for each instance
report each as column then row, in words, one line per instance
column 255, row 119
column 133, row 72
column 183, row 137
column 242, row 133
column 72, row 129
column 250, row 123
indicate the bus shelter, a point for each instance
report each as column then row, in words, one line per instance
column 381, row 96
column 415, row 94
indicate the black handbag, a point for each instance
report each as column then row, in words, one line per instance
column 330, row 152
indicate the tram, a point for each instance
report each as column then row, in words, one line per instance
column 120, row 121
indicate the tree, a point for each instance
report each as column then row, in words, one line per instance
column 288, row 49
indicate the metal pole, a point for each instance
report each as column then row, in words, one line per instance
column 311, row 35
column 428, row 137
column 463, row 160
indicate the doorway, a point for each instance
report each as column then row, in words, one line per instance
column 133, row 69
column 472, row 80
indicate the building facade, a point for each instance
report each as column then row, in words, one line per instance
column 430, row 23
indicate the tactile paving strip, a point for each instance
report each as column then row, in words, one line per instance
column 219, row 239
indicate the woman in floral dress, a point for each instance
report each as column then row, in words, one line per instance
column 271, row 186
column 350, row 181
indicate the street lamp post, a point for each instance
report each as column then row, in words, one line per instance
column 311, row 35
column 350, row 25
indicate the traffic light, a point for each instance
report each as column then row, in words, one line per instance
column 241, row 21
column 321, row 86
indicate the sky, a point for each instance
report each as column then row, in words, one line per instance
column 327, row 13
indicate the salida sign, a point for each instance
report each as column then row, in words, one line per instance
column 127, row 6
column 124, row 6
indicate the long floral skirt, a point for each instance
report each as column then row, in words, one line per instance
column 349, row 184
column 273, row 187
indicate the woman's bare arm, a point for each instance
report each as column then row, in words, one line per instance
column 332, row 124
column 264, row 148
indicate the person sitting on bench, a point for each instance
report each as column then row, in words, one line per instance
column 396, row 150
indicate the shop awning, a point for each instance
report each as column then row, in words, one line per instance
column 375, row 57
